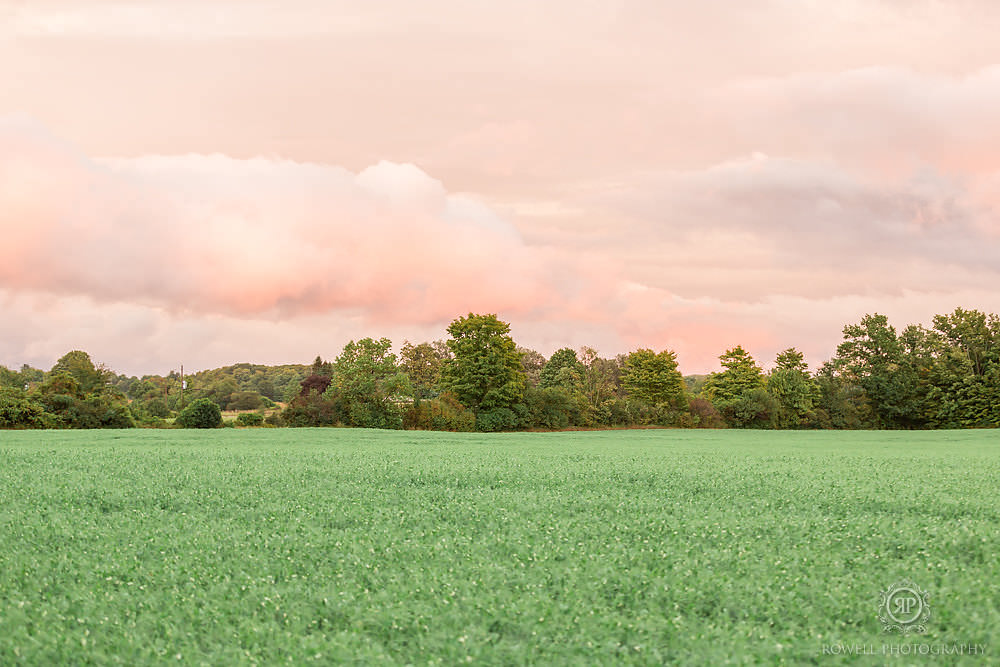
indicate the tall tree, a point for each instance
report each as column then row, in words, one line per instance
column 796, row 392
column 485, row 373
column 367, row 379
column 739, row 376
column 78, row 364
column 889, row 368
column 652, row 377
column 12, row 379
column 965, row 376
column 738, row 392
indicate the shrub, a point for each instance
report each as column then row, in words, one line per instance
column 705, row 414
column 250, row 419
column 497, row 419
column 444, row 413
column 17, row 411
column 200, row 413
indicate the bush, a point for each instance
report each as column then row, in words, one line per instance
column 200, row 413
column 497, row 419
column 444, row 413
column 250, row 419
column 550, row 408
column 17, row 411
column 156, row 407
column 705, row 414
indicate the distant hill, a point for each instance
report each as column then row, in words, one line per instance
column 270, row 381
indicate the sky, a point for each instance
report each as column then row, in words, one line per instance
column 207, row 182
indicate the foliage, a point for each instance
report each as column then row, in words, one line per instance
column 737, row 392
column 17, row 411
column 794, row 391
column 944, row 377
column 653, row 378
column 485, row 373
column 601, row 377
column 245, row 400
column 704, row 413
column 368, row 382
column 564, row 370
column 422, row 364
column 888, row 368
column 250, row 419
column 200, row 413
column 741, row 375
column 549, row 407
column 532, row 363
column 443, row 413
column 840, row 404
column 496, row 419
column 81, row 368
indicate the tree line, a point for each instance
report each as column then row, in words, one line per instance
column 945, row 376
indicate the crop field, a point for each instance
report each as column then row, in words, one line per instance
column 286, row 546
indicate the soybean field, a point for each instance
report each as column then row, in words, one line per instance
column 329, row 546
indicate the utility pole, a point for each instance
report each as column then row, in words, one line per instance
column 182, row 386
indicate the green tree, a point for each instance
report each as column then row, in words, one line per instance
column 840, row 404
column 422, row 363
column 889, row 368
column 793, row 389
column 737, row 392
column 601, row 377
column 18, row 411
column 79, row 365
column 739, row 376
column 965, row 373
column 652, row 377
column 12, row 379
column 485, row 373
column 368, row 380
column 320, row 367
column 250, row 419
column 30, row 375
column 563, row 369
column 200, row 413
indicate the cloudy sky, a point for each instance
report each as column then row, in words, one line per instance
column 213, row 181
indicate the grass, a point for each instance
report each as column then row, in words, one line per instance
column 282, row 546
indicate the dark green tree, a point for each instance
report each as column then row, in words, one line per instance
column 738, row 392
column 563, row 369
column 891, row 369
column 739, row 376
column 793, row 389
column 485, row 373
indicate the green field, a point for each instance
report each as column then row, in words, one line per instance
column 331, row 546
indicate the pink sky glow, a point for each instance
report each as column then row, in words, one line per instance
column 214, row 181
